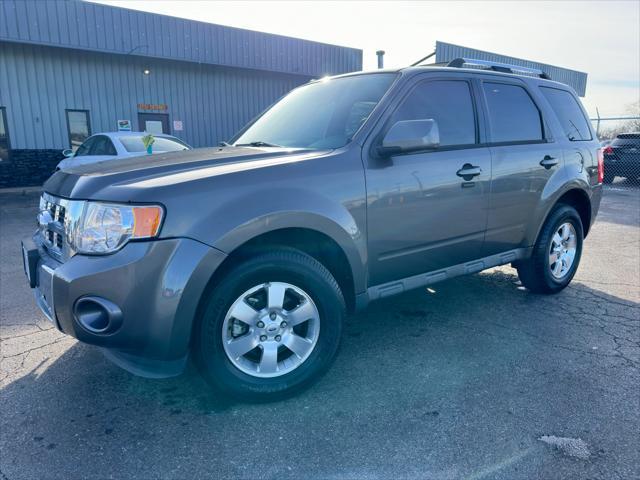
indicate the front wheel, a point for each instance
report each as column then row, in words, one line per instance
column 556, row 254
column 271, row 328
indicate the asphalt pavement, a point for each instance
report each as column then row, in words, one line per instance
column 475, row 378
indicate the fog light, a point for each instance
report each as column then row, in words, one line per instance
column 97, row 315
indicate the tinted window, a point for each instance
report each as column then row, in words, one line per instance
column 569, row 113
column 103, row 146
column 4, row 135
column 322, row 114
column 79, row 128
column 161, row 144
column 512, row 114
column 449, row 103
column 627, row 139
column 85, row 149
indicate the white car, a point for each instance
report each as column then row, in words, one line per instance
column 112, row 145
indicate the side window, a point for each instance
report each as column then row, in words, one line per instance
column 78, row 126
column 449, row 103
column 513, row 116
column 569, row 113
column 102, row 146
column 85, row 149
column 4, row 136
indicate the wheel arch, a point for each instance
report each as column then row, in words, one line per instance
column 317, row 244
column 579, row 199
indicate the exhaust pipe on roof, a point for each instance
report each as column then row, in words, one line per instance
column 380, row 54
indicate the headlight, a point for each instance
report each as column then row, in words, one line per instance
column 106, row 227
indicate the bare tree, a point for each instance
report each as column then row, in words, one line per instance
column 631, row 125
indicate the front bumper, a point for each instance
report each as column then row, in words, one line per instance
column 155, row 285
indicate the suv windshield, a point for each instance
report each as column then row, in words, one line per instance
column 320, row 115
column 160, row 144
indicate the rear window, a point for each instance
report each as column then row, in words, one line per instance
column 512, row 114
column 566, row 107
column 627, row 139
column 161, row 144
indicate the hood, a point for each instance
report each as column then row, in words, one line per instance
column 120, row 179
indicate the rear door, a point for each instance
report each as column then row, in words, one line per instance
column 423, row 213
column 524, row 158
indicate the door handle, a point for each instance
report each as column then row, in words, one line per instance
column 469, row 171
column 548, row 161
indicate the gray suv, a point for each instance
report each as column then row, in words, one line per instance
column 246, row 257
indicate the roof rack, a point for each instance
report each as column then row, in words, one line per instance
column 497, row 67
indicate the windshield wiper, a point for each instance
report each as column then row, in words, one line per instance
column 258, row 144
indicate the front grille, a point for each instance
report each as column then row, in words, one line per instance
column 51, row 223
column 56, row 218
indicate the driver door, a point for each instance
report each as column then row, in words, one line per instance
column 423, row 213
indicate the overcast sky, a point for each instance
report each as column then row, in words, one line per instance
column 600, row 38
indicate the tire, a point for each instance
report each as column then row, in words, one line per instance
column 608, row 178
column 251, row 376
column 537, row 272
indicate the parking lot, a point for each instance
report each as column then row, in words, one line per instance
column 475, row 378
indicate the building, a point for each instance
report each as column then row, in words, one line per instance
column 71, row 68
column 445, row 52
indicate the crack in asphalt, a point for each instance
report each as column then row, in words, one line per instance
column 60, row 339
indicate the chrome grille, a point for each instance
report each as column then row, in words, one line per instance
column 51, row 225
column 56, row 218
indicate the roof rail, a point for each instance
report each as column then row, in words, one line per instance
column 498, row 67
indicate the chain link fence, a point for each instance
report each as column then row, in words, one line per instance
column 620, row 138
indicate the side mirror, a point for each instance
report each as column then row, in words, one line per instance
column 67, row 152
column 410, row 136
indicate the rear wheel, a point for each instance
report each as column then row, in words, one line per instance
column 271, row 328
column 557, row 252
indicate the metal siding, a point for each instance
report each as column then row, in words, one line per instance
column 213, row 102
column 88, row 26
column 446, row 52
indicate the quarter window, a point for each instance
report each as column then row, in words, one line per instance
column 570, row 115
column 449, row 103
column 79, row 127
column 512, row 114
column 4, row 136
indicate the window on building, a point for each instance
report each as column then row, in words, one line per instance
column 4, row 136
column 79, row 127
column 569, row 113
column 449, row 103
column 512, row 114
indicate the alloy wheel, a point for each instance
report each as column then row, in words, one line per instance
column 271, row 329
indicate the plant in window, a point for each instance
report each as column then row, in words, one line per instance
column 148, row 141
